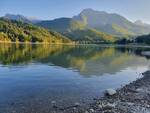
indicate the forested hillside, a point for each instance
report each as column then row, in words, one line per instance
column 17, row 31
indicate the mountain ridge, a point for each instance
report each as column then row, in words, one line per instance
column 19, row 17
column 110, row 23
column 91, row 24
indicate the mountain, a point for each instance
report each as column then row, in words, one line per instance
column 21, row 18
column 62, row 24
column 91, row 25
column 98, row 18
column 76, row 30
column 110, row 23
column 103, row 22
column 17, row 31
column 17, row 18
column 90, row 36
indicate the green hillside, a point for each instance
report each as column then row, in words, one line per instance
column 77, row 30
column 116, row 30
column 90, row 35
column 16, row 31
column 62, row 25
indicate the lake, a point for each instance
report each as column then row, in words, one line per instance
column 32, row 77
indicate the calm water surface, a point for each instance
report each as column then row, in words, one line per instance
column 32, row 76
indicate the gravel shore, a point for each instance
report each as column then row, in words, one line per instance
column 132, row 98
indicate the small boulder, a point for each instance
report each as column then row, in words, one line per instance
column 77, row 104
column 110, row 92
column 100, row 106
column 139, row 90
column 53, row 102
column 111, row 105
column 92, row 110
column 86, row 112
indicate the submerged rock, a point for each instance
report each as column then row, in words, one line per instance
column 53, row 103
column 110, row 92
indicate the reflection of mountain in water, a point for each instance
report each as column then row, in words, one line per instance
column 87, row 60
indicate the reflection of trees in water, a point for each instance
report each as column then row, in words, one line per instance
column 111, row 61
column 88, row 60
column 24, row 53
column 134, row 50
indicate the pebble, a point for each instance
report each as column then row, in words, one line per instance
column 53, row 102
column 92, row 110
column 77, row 104
column 139, row 90
column 74, row 108
column 86, row 112
column 100, row 106
column 148, row 106
column 110, row 105
column 130, row 104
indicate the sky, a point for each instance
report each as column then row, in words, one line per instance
column 51, row 9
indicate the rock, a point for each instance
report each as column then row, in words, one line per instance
column 74, row 108
column 110, row 105
column 92, row 110
column 53, row 102
column 86, row 112
column 148, row 106
column 130, row 104
column 139, row 90
column 110, row 92
column 77, row 104
column 100, row 106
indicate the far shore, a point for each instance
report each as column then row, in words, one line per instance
column 36, row 43
column 74, row 44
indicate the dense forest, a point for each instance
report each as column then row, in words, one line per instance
column 17, row 31
column 143, row 39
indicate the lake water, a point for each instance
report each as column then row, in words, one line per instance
column 32, row 76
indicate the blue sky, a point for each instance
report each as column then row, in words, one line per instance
column 50, row 9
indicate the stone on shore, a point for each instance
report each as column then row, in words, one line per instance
column 77, row 104
column 91, row 110
column 110, row 92
column 53, row 103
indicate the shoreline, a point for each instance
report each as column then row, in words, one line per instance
column 73, row 44
column 35, row 43
column 132, row 98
